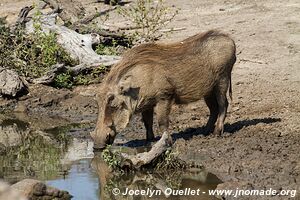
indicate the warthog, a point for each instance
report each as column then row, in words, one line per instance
column 158, row 75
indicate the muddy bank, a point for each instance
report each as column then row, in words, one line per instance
column 77, row 105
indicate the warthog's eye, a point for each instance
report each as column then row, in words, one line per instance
column 112, row 127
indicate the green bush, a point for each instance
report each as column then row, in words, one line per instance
column 148, row 17
column 102, row 49
column 31, row 55
column 66, row 80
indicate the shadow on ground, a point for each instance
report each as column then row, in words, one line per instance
column 190, row 132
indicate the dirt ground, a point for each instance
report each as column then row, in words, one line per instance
column 261, row 143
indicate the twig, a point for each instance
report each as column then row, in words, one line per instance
column 54, row 5
column 253, row 61
column 172, row 29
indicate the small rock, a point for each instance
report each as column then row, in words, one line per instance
column 10, row 136
column 7, row 193
column 20, row 107
column 34, row 190
column 10, row 83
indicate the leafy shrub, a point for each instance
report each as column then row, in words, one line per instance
column 63, row 80
column 66, row 80
column 102, row 49
column 112, row 159
column 31, row 55
column 149, row 17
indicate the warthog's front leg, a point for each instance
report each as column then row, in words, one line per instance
column 147, row 117
column 163, row 109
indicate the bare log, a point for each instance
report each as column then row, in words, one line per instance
column 77, row 45
column 142, row 159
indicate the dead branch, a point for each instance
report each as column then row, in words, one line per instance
column 89, row 18
column 54, row 5
column 50, row 75
column 253, row 61
column 142, row 159
column 172, row 29
column 78, row 46
column 22, row 17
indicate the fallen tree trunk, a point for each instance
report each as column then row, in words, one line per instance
column 143, row 159
column 77, row 45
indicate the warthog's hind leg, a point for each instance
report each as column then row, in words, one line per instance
column 221, row 90
column 211, row 102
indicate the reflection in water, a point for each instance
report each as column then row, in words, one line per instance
column 196, row 179
column 32, row 154
column 28, row 152
column 81, row 181
column 66, row 163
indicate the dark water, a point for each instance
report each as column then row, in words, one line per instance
column 54, row 156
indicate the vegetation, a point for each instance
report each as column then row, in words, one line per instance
column 31, row 55
column 66, row 80
column 169, row 160
column 36, row 157
column 112, row 159
column 102, row 49
column 149, row 18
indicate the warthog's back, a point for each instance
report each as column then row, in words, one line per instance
column 191, row 66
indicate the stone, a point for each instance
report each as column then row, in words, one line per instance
column 10, row 136
column 34, row 190
column 10, row 83
column 7, row 193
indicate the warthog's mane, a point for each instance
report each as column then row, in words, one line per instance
column 161, row 54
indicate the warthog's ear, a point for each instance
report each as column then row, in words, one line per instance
column 126, row 88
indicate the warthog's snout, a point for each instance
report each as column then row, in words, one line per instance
column 98, row 147
column 99, row 143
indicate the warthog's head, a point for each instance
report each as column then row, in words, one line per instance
column 116, row 105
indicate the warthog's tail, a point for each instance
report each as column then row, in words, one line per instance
column 230, row 89
column 230, row 82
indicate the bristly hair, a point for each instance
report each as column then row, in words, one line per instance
column 160, row 53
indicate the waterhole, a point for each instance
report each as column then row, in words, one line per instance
column 62, row 158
